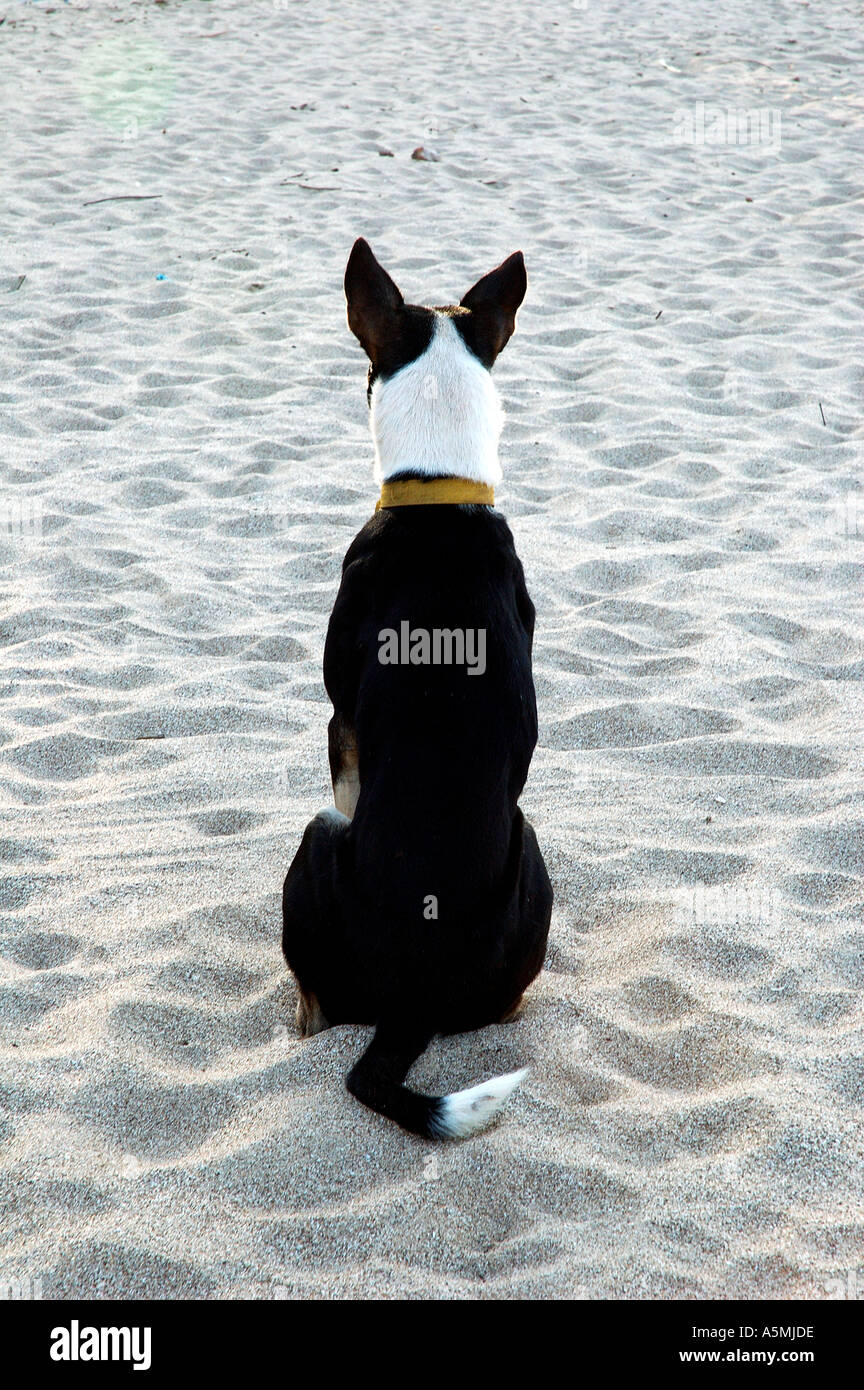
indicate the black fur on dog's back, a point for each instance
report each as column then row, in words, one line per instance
column 446, row 753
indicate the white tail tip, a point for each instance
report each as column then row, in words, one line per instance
column 465, row 1112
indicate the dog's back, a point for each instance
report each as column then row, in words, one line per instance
column 443, row 754
column 433, row 737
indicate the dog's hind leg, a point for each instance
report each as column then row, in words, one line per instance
column 344, row 765
column 511, row 1012
column 318, row 941
column 310, row 1017
column 533, row 913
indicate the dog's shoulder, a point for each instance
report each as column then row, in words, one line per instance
column 367, row 540
column 467, row 525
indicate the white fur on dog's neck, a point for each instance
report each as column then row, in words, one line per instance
column 440, row 415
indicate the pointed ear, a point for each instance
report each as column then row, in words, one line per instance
column 493, row 301
column 374, row 301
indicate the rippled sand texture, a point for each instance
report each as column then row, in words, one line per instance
column 185, row 461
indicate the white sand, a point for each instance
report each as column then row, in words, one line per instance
column 195, row 451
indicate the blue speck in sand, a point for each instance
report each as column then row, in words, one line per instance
column 161, row 277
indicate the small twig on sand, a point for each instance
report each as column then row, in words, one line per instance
column 124, row 198
column 822, row 413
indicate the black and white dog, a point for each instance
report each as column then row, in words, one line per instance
column 421, row 904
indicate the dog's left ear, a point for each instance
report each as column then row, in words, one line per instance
column 374, row 301
column 493, row 302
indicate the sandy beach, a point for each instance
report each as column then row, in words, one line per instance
column 180, row 479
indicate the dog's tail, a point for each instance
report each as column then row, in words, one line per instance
column 377, row 1079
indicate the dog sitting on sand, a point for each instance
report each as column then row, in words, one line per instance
column 421, row 903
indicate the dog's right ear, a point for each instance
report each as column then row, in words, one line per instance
column 493, row 302
column 374, row 301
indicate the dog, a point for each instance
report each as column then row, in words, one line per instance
column 421, row 902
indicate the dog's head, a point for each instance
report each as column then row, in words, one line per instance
column 434, row 408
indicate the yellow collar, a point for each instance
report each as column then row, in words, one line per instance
column 411, row 492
